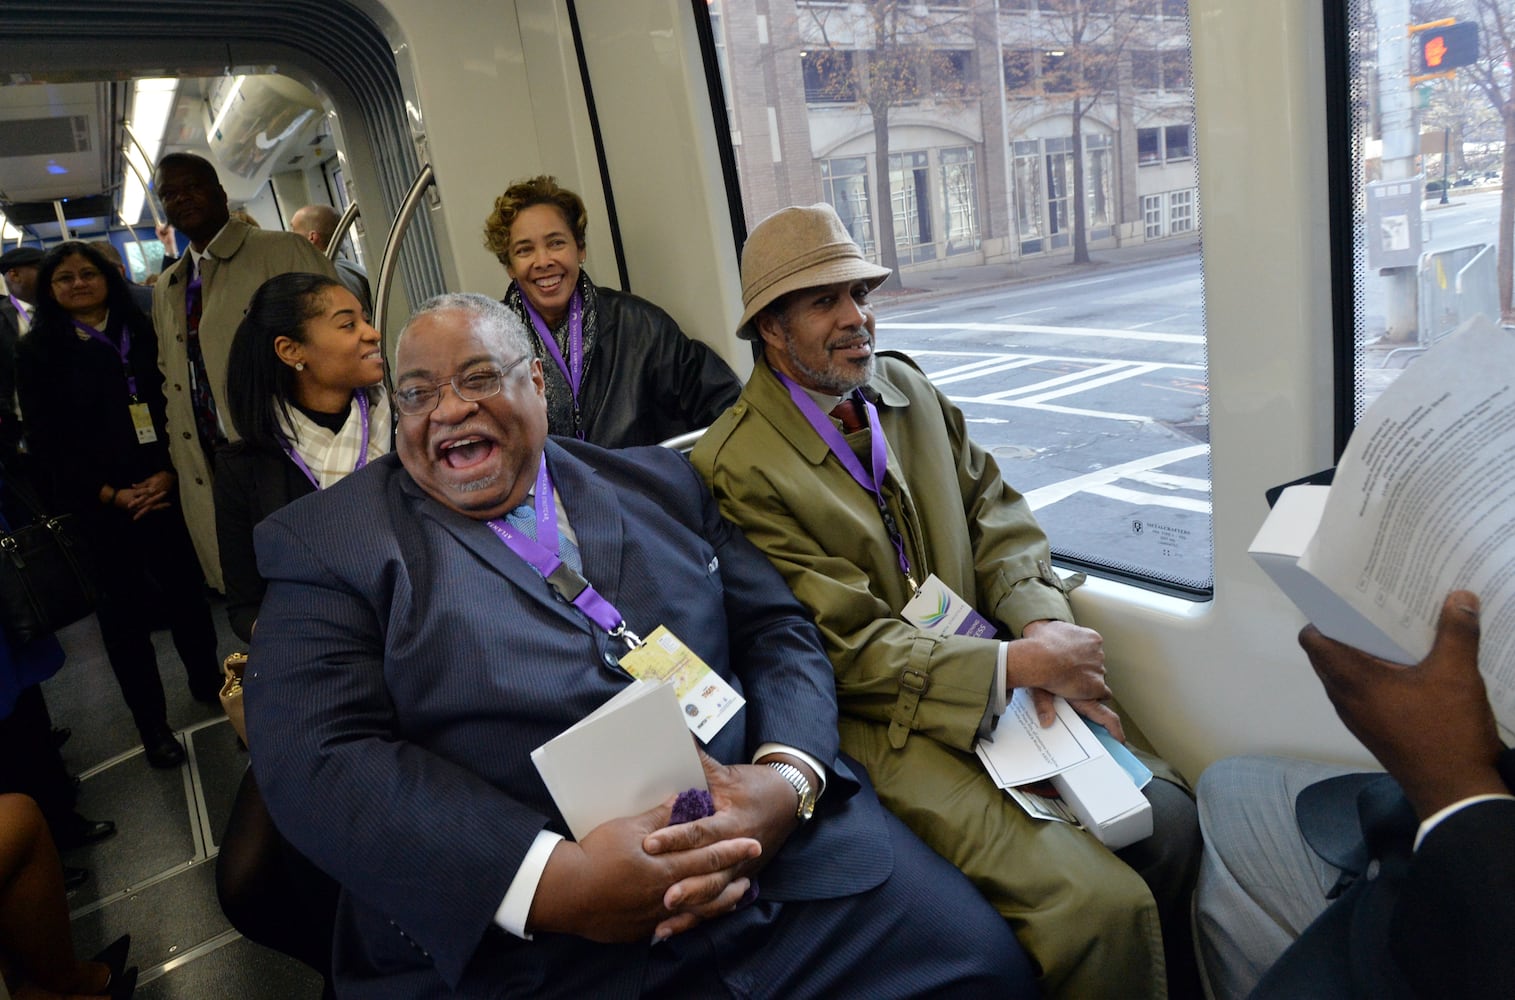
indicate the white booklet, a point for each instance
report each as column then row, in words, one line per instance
column 1422, row 503
column 623, row 758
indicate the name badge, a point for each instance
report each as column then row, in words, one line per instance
column 707, row 701
column 142, row 422
column 939, row 610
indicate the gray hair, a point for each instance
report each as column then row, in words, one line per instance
column 492, row 319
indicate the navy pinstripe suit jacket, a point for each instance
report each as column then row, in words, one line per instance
column 406, row 663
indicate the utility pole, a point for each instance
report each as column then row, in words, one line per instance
column 1401, row 142
column 1446, row 155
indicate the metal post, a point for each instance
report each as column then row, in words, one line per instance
column 1401, row 142
column 1446, row 155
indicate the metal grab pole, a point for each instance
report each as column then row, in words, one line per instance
column 147, row 187
column 343, row 225
column 391, row 251
column 147, row 194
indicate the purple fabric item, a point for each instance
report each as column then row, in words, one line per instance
column 694, row 804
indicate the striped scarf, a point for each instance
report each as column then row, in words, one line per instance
column 332, row 456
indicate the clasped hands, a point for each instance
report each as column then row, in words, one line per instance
column 1060, row 658
column 637, row 878
column 145, row 497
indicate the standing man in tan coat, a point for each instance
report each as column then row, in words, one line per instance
column 197, row 304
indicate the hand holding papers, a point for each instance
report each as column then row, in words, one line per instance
column 1423, row 503
column 623, row 758
column 1101, row 791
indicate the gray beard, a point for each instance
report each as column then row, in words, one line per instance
column 835, row 382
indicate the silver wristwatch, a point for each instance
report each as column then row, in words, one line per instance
column 801, row 784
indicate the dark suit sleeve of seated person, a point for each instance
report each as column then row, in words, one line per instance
column 1455, row 919
column 773, row 647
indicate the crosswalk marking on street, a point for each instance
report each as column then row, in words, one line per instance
column 1142, row 481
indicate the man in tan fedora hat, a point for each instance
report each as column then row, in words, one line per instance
column 858, row 479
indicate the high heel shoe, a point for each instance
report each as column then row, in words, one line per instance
column 113, row 957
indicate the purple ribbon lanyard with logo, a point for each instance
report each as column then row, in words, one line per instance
column 542, row 555
column 573, row 368
column 873, row 481
column 20, row 308
column 123, row 349
column 362, row 397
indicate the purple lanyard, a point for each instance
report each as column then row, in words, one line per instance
column 573, row 368
column 362, row 397
column 123, row 349
column 872, row 482
column 20, row 307
column 542, row 555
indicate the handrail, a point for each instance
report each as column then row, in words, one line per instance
column 349, row 216
column 147, row 194
column 390, row 258
column 147, row 187
column 684, row 442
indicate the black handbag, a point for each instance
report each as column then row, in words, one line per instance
column 46, row 577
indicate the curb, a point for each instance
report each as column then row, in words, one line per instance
column 1042, row 268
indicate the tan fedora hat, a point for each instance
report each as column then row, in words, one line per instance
column 802, row 246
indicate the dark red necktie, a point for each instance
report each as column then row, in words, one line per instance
column 850, row 414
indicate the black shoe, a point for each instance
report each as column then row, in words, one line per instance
column 113, row 956
column 76, row 831
column 73, row 878
column 60, row 735
column 123, row 986
column 163, row 750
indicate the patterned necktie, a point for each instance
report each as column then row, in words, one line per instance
column 524, row 520
column 850, row 414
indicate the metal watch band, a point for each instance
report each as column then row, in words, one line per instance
column 801, row 784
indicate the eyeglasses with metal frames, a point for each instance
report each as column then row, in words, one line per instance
column 470, row 386
column 63, row 279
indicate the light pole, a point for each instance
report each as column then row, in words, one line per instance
column 1446, row 154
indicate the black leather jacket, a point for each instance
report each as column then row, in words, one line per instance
column 645, row 381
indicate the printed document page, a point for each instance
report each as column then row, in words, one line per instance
column 1423, row 502
column 1023, row 752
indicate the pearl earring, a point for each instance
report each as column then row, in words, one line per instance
column 299, row 366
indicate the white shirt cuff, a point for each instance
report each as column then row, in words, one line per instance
column 1441, row 814
column 999, row 696
column 815, row 765
column 515, row 908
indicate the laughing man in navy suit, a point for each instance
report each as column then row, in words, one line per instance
column 409, row 657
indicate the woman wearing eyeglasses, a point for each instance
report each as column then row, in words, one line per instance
column 307, row 399
column 87, row 376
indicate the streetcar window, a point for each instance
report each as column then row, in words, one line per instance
column 1419, row 175
column 1043, row 221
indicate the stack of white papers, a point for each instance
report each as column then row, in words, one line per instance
column 1422, row 503
column 1103, row 794
column 622, row 759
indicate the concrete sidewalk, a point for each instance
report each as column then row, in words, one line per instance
column 929, row 285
